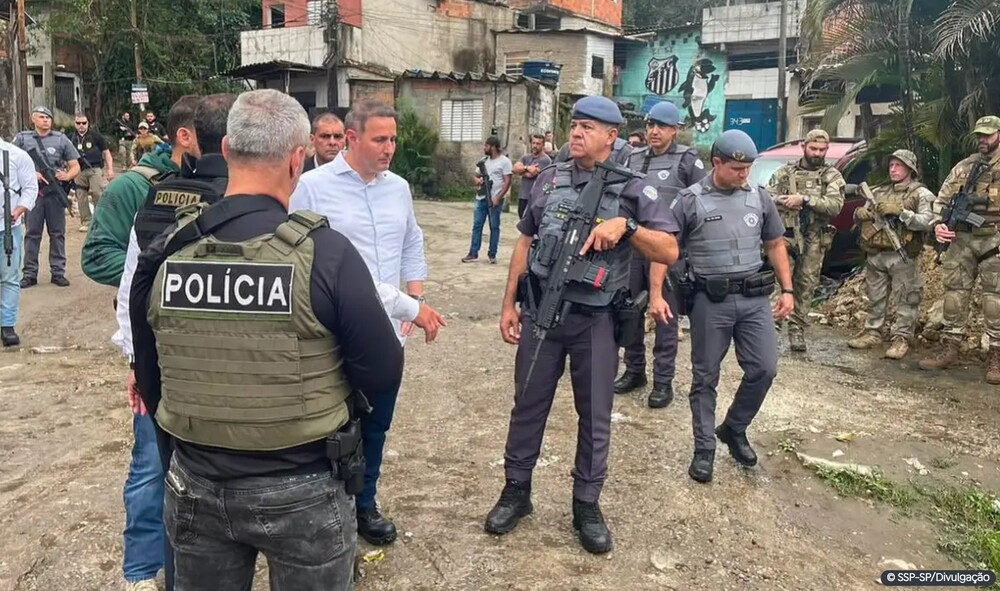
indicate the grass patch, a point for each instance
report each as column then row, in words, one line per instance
column 971, row 523
column 849, row 483
column 787, row 445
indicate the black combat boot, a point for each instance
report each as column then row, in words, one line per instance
column 514, row 503
column 661, row 395
column 702, row 465
column 629, row 381
column 739, row 447
column 9, row 337
column 589, row 522
column 374, row 528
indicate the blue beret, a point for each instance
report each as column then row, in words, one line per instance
column 735, row 145
column 598, row 108
column 664, row 113
column 43, row 110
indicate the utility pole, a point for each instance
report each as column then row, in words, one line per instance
column 332, row 18
column 782, row 66
column 22, row 64
column 135, row 49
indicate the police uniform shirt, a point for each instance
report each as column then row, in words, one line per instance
column 638, row 200
column 91, row 147
column 58, row 149
column 344, row 299
column 685, row 210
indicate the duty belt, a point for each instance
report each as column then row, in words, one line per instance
column 718, row 288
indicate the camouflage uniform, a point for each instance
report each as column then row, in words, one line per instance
column 885, row 268
column 808, row 233
column 962, row 264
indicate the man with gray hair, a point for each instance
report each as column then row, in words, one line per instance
column 253, row 375
column 327, row 139
column 374, row 209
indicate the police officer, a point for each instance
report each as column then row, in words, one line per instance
column 50, row 149
column 904, row 207
column 634, row 216
column 809, row 193
column 261, row 342
column 669, row 167
column 620, row 152
column 972, row 250
column 724, row 225
column 201, row 180
column 96, row 164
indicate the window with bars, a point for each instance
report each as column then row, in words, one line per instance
column 597, row 67
column 462, row 120
column 514, row 63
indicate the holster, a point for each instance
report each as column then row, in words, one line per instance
column 717, row 288
column 686, row 291
column 344, row 451
column 529, row 291
column 629, row 315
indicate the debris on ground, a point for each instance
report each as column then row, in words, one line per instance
column 814, row 462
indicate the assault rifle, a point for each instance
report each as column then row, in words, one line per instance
column 487, row 185
column 566, row 266
column 8, row 239
column 53, row 186
column 882, row 223
column 959, row 210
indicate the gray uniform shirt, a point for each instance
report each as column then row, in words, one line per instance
column 58, row 148
column 685, row 210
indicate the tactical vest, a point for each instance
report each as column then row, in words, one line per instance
column 662, row 172
column 988, row 185
column 165, row 198
column 875, row 240
column 245, row 364
column 726, row 238
column 561, row 200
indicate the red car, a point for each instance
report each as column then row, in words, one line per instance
column 847, row 154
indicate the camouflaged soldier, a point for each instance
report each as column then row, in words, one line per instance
column 972, row 251
column 809, row 193
column 905, row 204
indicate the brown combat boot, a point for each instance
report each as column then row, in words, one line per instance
column 898, row 348
column 946, row 357
column 993, row 366
column 865, row 340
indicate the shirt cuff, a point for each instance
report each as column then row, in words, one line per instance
column 905, row 216
column 410, row 308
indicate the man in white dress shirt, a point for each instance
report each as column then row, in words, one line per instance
column 373, row 208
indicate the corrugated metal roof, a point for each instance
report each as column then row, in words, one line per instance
column 471, row 77
column 271, row 67
column 583, row 30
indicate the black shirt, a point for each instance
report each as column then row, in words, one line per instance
column 345, row 301
column 91, row 147
column 158, row 130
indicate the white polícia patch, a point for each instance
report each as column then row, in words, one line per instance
column 651, row 192
column 663, row 174
column 751, row 219
column 699, row 164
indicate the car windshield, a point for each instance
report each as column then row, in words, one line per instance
column 763, row 168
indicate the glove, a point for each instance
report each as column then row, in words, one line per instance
column 863, row 214
column 888, row 208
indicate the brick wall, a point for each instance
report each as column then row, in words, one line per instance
column 606, row 11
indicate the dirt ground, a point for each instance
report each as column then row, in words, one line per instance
column 65, row 439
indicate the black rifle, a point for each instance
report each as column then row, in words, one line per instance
column 959, row 210
column 8, row 239
column 487, row 185
column 53, row 186
column 566, row 266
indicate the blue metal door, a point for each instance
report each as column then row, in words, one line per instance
column 757, row 117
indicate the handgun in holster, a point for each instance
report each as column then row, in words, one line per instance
column 343, row 448
column 629, row 317
column 685, row 292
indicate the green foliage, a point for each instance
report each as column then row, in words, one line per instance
column 416, row 144
column 849, row 483
column 646, row 14
column 185, row 45
column 971, row 522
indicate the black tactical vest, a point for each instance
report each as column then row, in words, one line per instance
column 163, row 199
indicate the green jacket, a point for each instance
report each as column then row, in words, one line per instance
column 103, row 256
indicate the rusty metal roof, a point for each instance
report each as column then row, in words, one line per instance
column 472, row 77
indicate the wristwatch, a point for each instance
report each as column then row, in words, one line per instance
column 630, row 228
column 788, row 291
column 419, row 298
column 805, row 200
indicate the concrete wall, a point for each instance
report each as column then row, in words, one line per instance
column 660, row 70
column 573, row 50
column 302, row 45
column 753, row 21
column 516, row 110
column 799, row 123
column 755, row 84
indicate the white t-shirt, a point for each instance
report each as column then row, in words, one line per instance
column 497, row 169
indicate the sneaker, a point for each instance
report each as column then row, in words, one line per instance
column 61, row 281
column 470, row 258
column 493, row 260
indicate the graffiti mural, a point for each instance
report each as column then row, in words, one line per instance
column 662, row 76
column 699, row 85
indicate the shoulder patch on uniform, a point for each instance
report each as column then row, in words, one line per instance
column 751, row 219
column 663, row 174
column 651, row 192
column 239, row 288
column 699, row 164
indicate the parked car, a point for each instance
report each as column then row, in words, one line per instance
column 848, row 156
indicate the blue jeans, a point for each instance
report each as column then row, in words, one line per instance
column 374, row 426
column 144, row 535
column 479, row 216
column 10, row 279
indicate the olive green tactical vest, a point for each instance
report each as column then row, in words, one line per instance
column 906, row 197
column 245, row 364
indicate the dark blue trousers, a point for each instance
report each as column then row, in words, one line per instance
column 374, row 426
